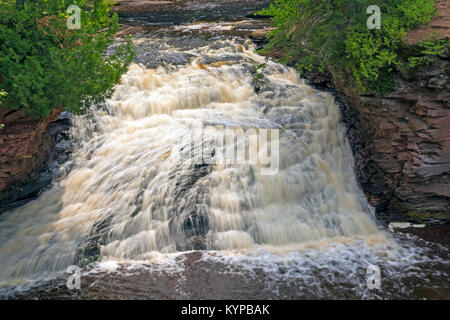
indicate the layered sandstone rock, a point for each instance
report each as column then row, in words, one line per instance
column 24, row 146
column 401, row 144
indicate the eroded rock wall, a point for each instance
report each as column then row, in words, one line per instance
column 30, row 153
column 24, row 145
column 401, row 144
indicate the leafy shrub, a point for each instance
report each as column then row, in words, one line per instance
column 315, row 33
column 44, row 65
column 426, row 52
column 414, row 13
column 2, row 94
column 370, row 53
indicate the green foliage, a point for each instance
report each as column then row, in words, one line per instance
column 315, row 33
column 385, row 84
column 413, row 13
column 427, row 52
column 371, row 53
column 2, row 94
column 44, row 65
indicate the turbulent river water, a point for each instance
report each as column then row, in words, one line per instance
column 148, row 209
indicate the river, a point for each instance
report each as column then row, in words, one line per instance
column 148, row 210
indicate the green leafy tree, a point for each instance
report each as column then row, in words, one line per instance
column 44, row 65
column 313, row 34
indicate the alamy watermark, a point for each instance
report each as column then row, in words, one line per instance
column 234, row 146
column 374, row 277
column 74, row 280
column 74, row 19
column 374, row 20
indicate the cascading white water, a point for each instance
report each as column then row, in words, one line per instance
column 132, row 188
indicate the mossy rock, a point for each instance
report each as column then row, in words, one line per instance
column 441, row 215
column 427, row 216
column 421, row 216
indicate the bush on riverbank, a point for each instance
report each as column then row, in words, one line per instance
column 313, row 34
column 44, row 65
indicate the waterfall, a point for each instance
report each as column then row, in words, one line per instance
column 135, row 186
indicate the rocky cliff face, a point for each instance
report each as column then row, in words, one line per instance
column 23, row 146
column 26, row 147
column 401, row 144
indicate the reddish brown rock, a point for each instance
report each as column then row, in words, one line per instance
column 24, row 146
column 401, row 143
